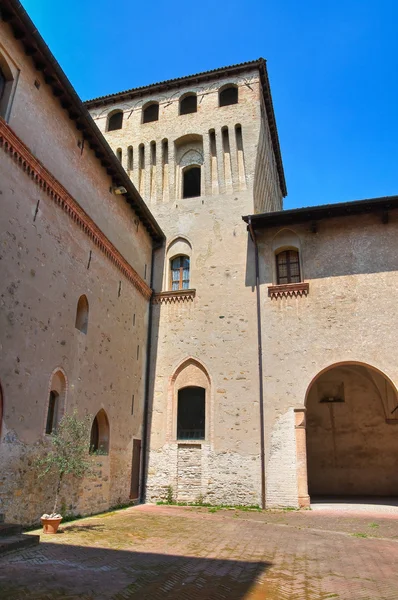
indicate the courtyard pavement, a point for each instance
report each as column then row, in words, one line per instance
column 176, row 553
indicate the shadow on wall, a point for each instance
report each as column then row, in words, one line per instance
column 104, row 573
column 157, row 283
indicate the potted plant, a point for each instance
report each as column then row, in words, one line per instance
column 68, row 455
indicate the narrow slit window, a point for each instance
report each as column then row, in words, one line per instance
column 119, row 154
column 52, row 413
column 288, row 267
column 180, row 273
column 130, row 158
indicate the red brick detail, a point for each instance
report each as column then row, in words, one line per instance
column 21, row 154
column 288, row 290
column 173, row 297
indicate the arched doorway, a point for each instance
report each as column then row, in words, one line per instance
column 352, row 433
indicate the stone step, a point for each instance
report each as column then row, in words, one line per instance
column 17, row 542
column 7, row 529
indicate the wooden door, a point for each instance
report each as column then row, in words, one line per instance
column 135, row 470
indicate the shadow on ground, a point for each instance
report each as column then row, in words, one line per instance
column 55, row 571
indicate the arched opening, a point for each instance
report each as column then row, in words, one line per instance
column 115, row 121
column 99, row 438
column 150, row 113
column 351, row 438
column 228, row 95
column 81, row 322
column 119, row 154
column 191, row 413
column 179, row 270
column 188, row 104
column 56, row 401
column 191, row 182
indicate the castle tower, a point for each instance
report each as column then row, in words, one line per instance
column 202, row 150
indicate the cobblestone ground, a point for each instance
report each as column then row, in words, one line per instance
column 153, row 553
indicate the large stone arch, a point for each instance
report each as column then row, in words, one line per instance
column 348, row 432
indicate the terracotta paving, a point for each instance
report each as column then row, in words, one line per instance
column 153, row 553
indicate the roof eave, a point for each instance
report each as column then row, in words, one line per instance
column 25, row 31
column 320, row 212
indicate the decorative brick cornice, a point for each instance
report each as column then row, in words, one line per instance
column 288, row 290
column 21, row 154
column 173, row 297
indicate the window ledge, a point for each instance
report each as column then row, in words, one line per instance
column 172, row 297
column 288, row 290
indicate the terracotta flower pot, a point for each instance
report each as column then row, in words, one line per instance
column 50, row 525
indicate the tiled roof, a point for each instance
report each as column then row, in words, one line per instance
column 177, row 80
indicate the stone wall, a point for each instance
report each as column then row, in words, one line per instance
column 347, row 317
column 52, row 252
column 216, row 325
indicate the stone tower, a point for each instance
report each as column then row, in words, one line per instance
column 202, row 150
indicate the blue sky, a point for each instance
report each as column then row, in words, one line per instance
column 333, row 68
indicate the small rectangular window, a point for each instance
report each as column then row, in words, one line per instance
column 288, row 267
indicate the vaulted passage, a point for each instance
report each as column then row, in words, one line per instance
column 352, row 433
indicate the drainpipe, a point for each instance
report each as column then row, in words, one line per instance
column 260, row 365
column 144, row 441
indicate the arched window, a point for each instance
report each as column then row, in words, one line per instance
column 119, row 154
column 180, row 273
column 82, row 314
column 188, row 104
column 115, row 121
column 191, row 413
column 191, row 182
column 99, row 438
column 55, row 402
column 150, row 113
column 288, row 267
column 228, row 95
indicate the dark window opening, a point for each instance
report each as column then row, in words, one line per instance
column 180, row 273
column 229, row 96
column 115, row 121
column 191, row 413
column 94, row 437
column 3, row 82
column 239, row 140
column 288, row 267
column 52, row 414
column 99, row 437
column 130, row 158
column 150, row 113
column 191, row 182
column 119, row 154
column 188, row 105
column 81, row 322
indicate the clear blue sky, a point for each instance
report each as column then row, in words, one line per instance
column 333, row 67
